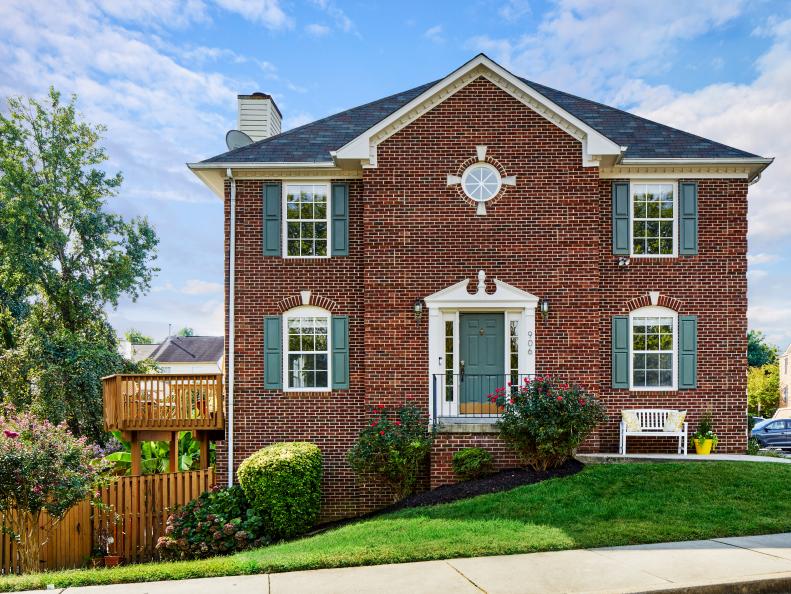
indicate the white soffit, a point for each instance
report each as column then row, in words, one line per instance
column 363, row 147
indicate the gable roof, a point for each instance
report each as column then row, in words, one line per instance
column 189, row 349
column 643, row 138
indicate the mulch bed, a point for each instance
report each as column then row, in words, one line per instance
column 500, row 481
column 503, row 480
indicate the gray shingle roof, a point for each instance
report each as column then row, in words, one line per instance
column 313, row 142
column 645, row 139
column 189, row 349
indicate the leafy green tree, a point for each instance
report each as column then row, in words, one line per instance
column 759, row 352
column 186, row 331
column 64, row 257
column 763, row 389
column 136, row 337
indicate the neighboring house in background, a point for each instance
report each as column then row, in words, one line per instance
column 785, row 377
column 439, row 242
column 181, row 354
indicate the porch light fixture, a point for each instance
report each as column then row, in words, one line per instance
column 417, row 309
column 544, row 305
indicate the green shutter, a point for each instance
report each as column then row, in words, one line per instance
column 620, row 351
column 688, row 219
column 273, row 353
column 620, row 218
column 340, row 220
column 687, row 352
column 273, row 206
column 340, row 352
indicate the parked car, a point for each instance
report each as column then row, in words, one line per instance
column 782, row 413
column 773, row 433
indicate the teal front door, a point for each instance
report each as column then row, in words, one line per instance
column 481, row 360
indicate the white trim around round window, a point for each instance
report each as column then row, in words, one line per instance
column 653, row 355
column 481, row 181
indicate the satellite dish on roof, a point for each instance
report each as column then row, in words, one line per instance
column 235, row 139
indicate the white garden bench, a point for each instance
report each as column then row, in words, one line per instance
column 652, row 424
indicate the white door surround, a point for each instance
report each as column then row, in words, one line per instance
column 446, row 305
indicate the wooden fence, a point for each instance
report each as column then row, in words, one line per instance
column 139, row 507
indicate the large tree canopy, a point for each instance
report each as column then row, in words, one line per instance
column 759, row 352
column 64, row 257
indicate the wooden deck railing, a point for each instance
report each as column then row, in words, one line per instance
column 163, row 402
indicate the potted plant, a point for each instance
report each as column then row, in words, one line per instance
column 704, row 438
column 105, row 542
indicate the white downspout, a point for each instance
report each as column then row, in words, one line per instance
column 231, row 304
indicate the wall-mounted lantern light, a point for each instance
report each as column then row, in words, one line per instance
column 544, row 305
column 417, row 309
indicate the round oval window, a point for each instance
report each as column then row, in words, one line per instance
column 481, row 181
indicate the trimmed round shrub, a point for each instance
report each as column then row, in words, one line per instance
column 219, row 521
column 283, row 483
column 472, row 463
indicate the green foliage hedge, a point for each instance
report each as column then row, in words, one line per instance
column 283, row 482
column 472, row 463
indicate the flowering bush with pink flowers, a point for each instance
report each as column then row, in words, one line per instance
column 392, row 447
column 220, row 521
column 545, row 420
column 43, row 468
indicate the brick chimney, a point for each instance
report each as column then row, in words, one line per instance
column 259, row 117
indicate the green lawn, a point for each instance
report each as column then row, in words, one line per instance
column 603, row 505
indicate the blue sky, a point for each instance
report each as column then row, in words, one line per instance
column 163, row 76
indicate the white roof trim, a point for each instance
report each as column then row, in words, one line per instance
column 363, row 147
column 505, row 296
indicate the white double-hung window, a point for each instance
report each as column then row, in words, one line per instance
column 306, row 348
column 653, row 348
column 654, row 215
column 305, row 216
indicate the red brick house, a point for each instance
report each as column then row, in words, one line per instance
column 436, row 243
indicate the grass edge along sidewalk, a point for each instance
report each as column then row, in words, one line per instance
column 604, row 505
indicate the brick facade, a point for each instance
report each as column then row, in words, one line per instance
column 412, row 235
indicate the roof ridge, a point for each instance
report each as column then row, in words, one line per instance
column 630, row 114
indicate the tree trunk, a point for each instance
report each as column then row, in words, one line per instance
column 27, row 527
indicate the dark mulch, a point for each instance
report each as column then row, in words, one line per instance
column 500, row 481
column 503, row 480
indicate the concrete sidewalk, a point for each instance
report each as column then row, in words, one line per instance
column 748, row 564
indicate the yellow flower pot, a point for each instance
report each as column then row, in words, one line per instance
column 703, row 446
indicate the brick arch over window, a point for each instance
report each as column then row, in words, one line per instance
column 296, row 300
column 661, row 301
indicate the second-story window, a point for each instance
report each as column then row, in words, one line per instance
column 306, row 226
column 653, row 218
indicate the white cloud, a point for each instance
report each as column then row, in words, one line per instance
column 513, row 10
column 317, row 30
column 434, row 34
column 757, row 259
column 268, row 13
column 589, row 48
column 155, row 13
column 342, row 21
column 200, row 287
column 747, row 116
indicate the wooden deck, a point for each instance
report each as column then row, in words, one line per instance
column 163, row 402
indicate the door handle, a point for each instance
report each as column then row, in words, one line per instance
column 461, row 369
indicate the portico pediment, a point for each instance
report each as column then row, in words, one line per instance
column 505, row 296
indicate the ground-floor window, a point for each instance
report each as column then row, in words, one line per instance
column 653, row 348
